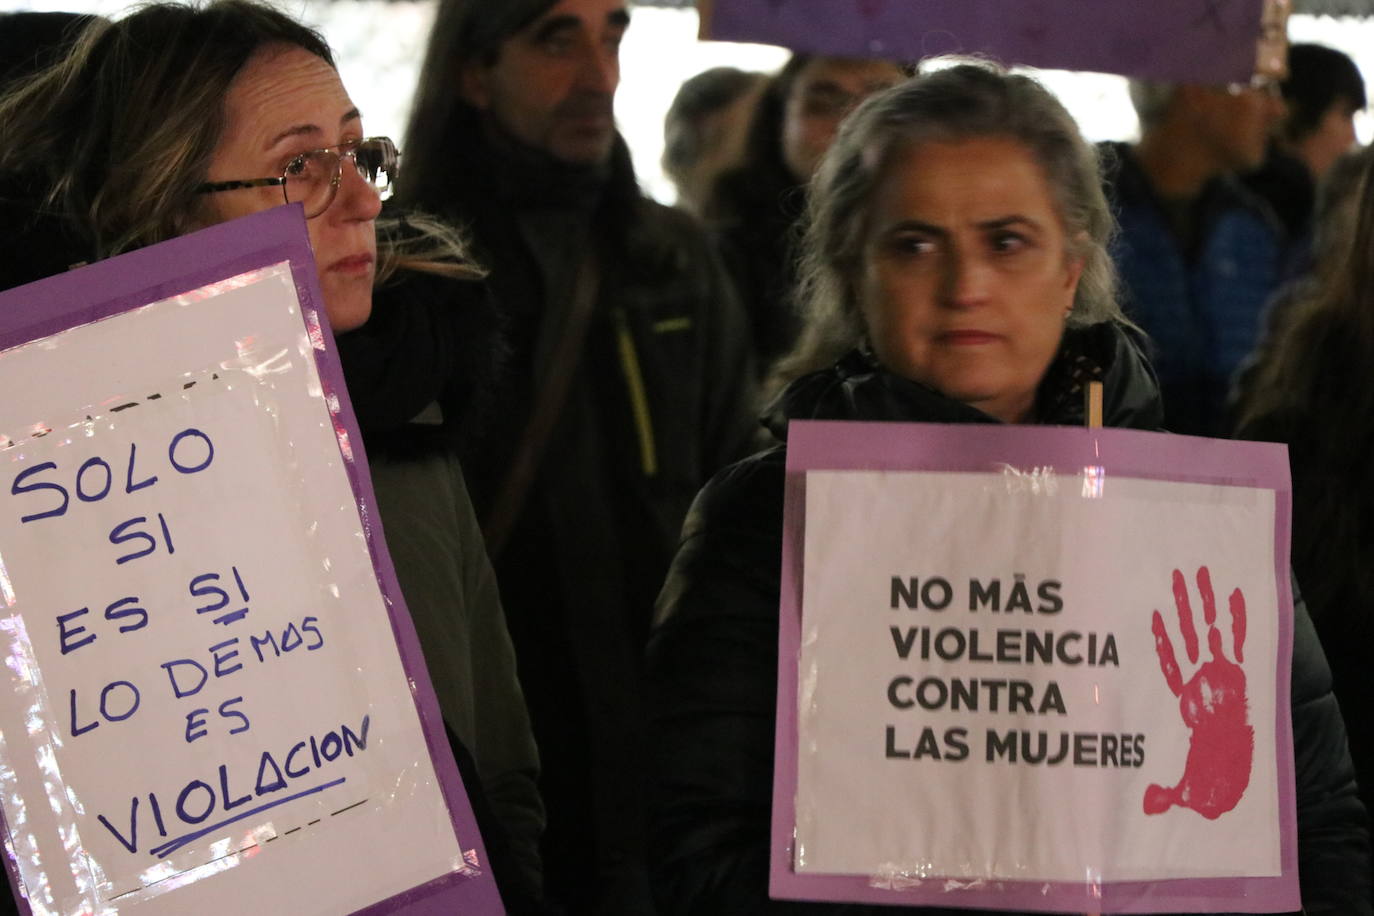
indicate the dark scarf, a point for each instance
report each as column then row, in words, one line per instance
column 427, row 357
column 858, row 388
column 523, row 177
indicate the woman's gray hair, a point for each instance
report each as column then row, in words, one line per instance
column 962, row 102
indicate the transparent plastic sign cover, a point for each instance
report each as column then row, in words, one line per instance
column 1194, row 41
column 1035, row 668
column 213, row 698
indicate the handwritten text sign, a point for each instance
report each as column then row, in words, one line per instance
column 209, row 710
column 1025, row 671
column 1196, row 41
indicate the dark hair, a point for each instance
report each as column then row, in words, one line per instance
column 961, row 102
column 122, row 130
column 1320, row 363
column 30, row 42
column 1312, row 390
column 762, row 175
column 1338, row 193
column 697, row 99
column 1318, row 77
column 464, row 32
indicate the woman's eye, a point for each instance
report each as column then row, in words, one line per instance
column 297, row 168
column 913, row 245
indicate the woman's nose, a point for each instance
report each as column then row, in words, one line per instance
column 966, row 279
column 357, row 198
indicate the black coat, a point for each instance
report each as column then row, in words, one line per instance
column 1333, row 527
column 659, row 400
column 712, row 667
column 755, row 217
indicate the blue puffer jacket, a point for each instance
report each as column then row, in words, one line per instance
column 1203, row 308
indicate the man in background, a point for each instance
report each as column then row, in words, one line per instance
column 1322, row 93
column 627, row 385
column 1198, row 254
column 705, row 128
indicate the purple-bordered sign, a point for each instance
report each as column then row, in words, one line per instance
column 929, row 570
column 219, row 700
column 1194, row 41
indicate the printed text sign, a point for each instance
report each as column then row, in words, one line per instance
column 983, row 678
column 1013, row 658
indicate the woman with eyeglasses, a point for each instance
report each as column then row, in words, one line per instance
column 176, row 118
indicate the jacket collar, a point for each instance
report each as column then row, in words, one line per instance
column 857, row 388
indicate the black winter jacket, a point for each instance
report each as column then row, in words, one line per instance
column 753, row 215
column 712, row 667
column 1328, row 439
column 657, row 403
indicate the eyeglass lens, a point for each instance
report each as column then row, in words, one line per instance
column 312, row 179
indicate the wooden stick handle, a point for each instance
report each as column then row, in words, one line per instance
column 1092, row 405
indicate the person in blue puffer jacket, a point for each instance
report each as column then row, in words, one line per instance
column 1198, row 254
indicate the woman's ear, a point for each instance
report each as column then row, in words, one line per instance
column 1073, row 261
column 1073, row 271
column 472, row 85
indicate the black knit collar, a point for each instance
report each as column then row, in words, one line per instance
column 858, row 388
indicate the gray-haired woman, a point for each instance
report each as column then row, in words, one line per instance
column 955, row 271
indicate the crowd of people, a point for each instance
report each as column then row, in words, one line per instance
column 560, row 382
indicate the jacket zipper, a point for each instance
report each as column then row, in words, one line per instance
column 639, row 401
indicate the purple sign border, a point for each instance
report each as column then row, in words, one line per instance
column 189, row 262
column 835, row 445
column 1212, row 42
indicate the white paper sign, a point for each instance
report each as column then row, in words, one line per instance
column 983, row 693
column 209, row 685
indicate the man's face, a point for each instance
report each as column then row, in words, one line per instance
column 553, row 84
column 1236, row 123
column 826, row 90
column 1333, row 137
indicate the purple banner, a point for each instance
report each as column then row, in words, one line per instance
column 1188, row 41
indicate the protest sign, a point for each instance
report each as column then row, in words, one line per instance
column 213, row 701
column 1194, row 41
column 1034, row 668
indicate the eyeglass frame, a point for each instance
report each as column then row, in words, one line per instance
column 1270, row 85
column 345, row 150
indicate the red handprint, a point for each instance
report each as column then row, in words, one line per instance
column 1213, row 706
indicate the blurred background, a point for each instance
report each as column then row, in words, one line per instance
column 380, row 43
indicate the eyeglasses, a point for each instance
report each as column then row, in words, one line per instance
column 1260, row 82
column 312, row 179
column 833, row 103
